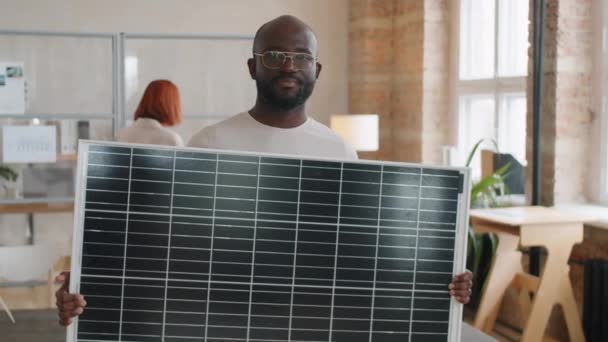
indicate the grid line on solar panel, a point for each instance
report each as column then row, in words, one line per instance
column 377, row 249
column 266, row 201
column 349, row 167
column 125, row 240
column 268, row 228
column 253, row 252
column 168, row 248
column 309, row 190
column 266, row 220
column 335, row 266
column 295, row 256
column 211, row 254
column 286, row 229
column 271, row 188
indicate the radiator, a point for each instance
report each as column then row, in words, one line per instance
column 595, row 306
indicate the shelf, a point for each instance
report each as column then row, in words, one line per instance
column 36, row 205
column 67, row 157
column 36, row 208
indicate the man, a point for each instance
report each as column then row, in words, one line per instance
column 285, row 68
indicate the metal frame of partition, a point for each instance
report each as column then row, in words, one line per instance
column 71, row 116
column 118, row 41
column 123, row 37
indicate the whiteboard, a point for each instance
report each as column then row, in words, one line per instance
column 29, row 144
column 62, row 74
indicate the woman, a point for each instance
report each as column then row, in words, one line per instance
column 159, row 108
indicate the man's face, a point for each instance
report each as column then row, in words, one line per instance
column 285, row 85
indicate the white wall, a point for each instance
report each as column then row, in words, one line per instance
column 329, row 19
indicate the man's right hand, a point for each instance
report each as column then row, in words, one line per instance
column 68, row 305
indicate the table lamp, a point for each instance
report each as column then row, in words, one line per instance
column 359, row 130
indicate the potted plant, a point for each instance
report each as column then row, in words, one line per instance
column 9, row 177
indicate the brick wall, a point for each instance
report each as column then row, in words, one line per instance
column 436, row 123
column 370, row 65
column 398, row 69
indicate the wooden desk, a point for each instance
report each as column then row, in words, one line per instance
column 530, row 226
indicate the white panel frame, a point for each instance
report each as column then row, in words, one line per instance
column 462, row 219
column 77, row 237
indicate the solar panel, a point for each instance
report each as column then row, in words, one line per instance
column 181, row 245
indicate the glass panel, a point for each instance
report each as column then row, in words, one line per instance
column 477, row 121
column 477, row 39
column 62, row 75
column 212, row 75
column 48, row 182
column 512, row 126
column 513, row 37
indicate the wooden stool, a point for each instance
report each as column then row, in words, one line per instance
column 530, row 226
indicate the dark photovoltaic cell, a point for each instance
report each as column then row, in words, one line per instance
column 177, row 245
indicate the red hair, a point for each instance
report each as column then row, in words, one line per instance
column 160, row 102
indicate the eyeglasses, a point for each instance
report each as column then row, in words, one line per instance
column 276, row 59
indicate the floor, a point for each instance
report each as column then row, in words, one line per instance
column 501, row 333
column 31, row 326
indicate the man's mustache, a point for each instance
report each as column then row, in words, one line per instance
column 288, row 77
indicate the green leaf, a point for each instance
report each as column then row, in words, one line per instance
column 484, row 184
column 472, row 153
column 478, row 242
column 503, row 170
column 8, row 173
column 472, row 249
column 475, row 147
column 494, row 241
column 487, row 185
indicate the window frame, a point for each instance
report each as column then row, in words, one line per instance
column 603, row 103
column 497, row 86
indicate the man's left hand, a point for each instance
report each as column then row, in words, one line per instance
column 461, row 285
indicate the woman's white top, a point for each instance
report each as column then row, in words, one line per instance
column 149, row 131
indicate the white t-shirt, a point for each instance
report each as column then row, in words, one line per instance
column 149, row 131
column 243, row 133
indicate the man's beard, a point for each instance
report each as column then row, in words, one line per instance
column 269, row 96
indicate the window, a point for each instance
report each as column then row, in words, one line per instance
column 491, row 76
